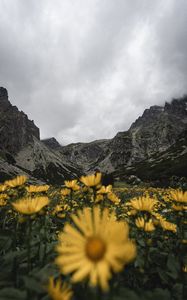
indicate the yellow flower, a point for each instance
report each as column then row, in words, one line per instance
column 19, row 180
column 58, row 208
column 157, row 218
column 143, row 204
column 61, row 215
column 94, row 248
column 72, row 184
column 184, row 269
column 168, row 226
column 146, row 226
column 132, row 212
column 105, row 189
column 184, row 241
column 65, row 192
column 37, row 188
column 3, row 202
column 4, row 196
column 179, row 207
column 3, row 187
column 179, row 196
column 91, row 180
column 99, row 198
column 29, row 206
column 112, row 197
column 59, row 291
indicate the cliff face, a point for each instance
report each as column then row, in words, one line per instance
column 51, row 143
column 16, row 130
column 86, row 155
column 161, row 166
column 154, row 132
column 22, row 152
column 158, row 128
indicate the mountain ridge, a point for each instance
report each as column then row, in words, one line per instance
column 154, row 132
column 22, row 151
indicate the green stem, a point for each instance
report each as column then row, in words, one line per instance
column 15, row 266
column 98, row 294
column 4, row 222
column 45, row 240
column 29, row 244
column 94, row 193
column 183, row 252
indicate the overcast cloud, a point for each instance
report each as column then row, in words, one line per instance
column 86, row 69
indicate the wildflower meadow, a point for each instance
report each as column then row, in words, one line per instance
column 82, row 240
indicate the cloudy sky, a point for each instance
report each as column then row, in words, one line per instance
column 86, row 69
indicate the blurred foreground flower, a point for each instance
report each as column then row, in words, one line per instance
column 18, row 181
column 3, row 202
column 112, row 197
column 59, row 291
column 37, row 188
column 72, row 184
column 98, row 246
column 91, row 180
column 179, row 196
column 105, row 189
column 146, row 226
column 29, row 206
column 168, row 226
column 143, row 204
column 65, row 192
column 3, row 187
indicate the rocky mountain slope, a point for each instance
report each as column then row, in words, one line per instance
column 16, row 130
column 22, row 152
column 161, row 165
column 154, row 145
column 153, row 133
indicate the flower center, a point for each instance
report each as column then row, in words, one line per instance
column 95, row 249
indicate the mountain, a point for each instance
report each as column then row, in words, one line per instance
column 153, row 147
column 16, row 130
column 22, row 151
column 161, row 166
column 154, row 132
column 52, row 143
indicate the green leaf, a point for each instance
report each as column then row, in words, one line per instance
column 141, row 242
column 127, row 294
column 173, row 266
column 177, row 291
column 156, row 294
column 5, row 239
column 33, row 284
column 163, row 275
column 12, row 294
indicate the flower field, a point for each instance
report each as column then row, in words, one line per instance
column 83, row 240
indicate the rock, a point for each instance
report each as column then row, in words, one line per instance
column 161, row 166
column 154, row 132
column 16, row 130
column 43, row 163
column 52, row 143
column 134, row 180
column 22, row 152
column 151, row 143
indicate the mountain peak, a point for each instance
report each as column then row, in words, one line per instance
column 16, row 130
column 177, row 106
column 3, row 93
column 51, row 143
column 4, row 102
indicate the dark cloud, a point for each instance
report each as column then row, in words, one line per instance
column 84, row 70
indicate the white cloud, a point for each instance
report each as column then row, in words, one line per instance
column 85, row 69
